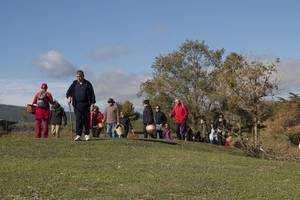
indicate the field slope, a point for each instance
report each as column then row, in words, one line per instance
column 127, row 169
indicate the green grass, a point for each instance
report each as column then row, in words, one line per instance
column 126, row 169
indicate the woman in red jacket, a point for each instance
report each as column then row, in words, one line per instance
column 42, row 99
column 96, row 121
column 180, row 113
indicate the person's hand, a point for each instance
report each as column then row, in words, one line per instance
column 92, row 107
column 69, row 100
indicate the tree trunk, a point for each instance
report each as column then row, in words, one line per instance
column 255, row 135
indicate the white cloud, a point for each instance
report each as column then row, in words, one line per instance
column 55, row 65
column 105, row 53
column 118, row 85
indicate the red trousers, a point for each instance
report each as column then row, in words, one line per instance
column 42, row 120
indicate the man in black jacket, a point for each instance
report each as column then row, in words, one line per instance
column 81, row 95
column 147, row 116
column 160, row 120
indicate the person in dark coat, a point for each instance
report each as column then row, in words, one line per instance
column 160, row 120
column 57, row 115
column 81, row 95
column 125, row 121
column 147, row 116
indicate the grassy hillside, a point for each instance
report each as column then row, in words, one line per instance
column 125, row 169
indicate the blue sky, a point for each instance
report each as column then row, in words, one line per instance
column 115, row 42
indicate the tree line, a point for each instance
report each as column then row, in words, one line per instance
column 211, row 83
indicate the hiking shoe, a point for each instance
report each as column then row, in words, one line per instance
column 87, row 137
column 77, row 138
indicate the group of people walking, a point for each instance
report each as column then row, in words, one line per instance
column 88, row 116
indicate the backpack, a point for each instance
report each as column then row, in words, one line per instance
column 42, row 101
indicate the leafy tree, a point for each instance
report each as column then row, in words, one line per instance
column 186, row 74
column 245, row 86
column 128, row 109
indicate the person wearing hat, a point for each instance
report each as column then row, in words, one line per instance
column 147, row 116
column 111, row 117
column 81, row 95
column 42, row 99
column 160, row 119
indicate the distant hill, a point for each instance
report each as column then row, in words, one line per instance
column 15, row 113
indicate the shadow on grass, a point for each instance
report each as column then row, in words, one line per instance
column 147, row 140
column 160, row 141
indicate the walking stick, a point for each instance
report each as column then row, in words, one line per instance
column 71, row 121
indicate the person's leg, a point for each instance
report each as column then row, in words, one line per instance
column 57, row 130
column 38, row 123
column 145, row 132
column 98, row 130
column 45, row 121
column 156, row 134
column 53, row 130
column 79, row 122
column 187, row 134
column 178, row 131
column 160, row 134
column 113, row 130
column 45, row 128
column 182, row 132
column 37, row 129
column 93, row 132
column 86, row 121
column 109, row 130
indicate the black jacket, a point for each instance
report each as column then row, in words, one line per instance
column 160, row 118
column 148, row 115
column 57, row 114
column 86, row 91
column 126, row 123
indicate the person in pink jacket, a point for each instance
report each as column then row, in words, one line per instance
column 180, row 113
column 42, row 99
column 167, row 133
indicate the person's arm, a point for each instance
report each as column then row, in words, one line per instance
column 118, row 114
column 105, row 115
column 186, row 112
column 70, row 93
column 100, row 117
column 91, row 93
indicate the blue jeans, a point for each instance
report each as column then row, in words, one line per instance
column 111, row 129
column 181, row 130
